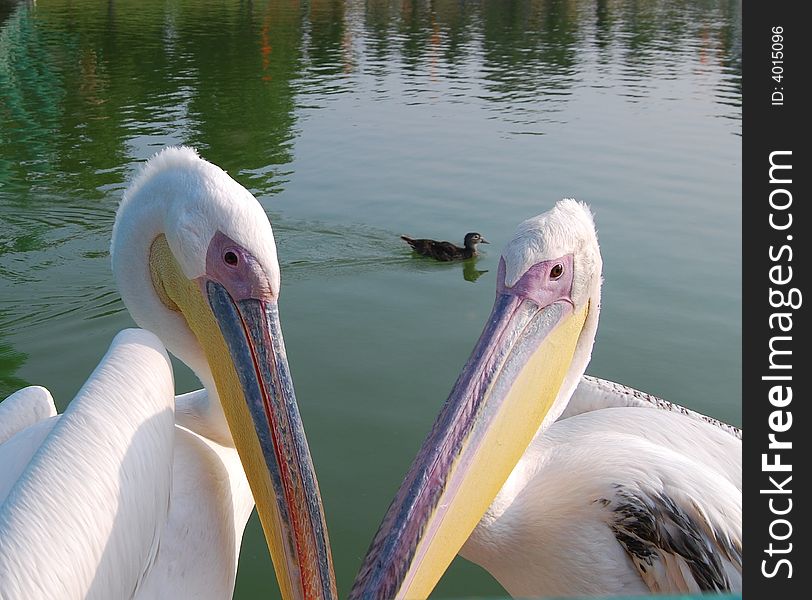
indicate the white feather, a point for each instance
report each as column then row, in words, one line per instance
column 133, row 493
column 547, row 533
column 24, row 408
column 84, row 517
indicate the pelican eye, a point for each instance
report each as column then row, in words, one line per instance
column 231, row 258
column 557, row 271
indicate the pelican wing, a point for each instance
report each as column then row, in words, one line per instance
column 84, row 513
column 27, row 412
column 24, row 408
column 594, row 393
column 618, row 501
column 678, row 544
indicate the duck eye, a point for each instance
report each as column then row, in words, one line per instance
column 231, row 258
column 556, row 271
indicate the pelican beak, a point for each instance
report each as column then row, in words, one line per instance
column 497, row 405
column 235, row 318
column 268, row 432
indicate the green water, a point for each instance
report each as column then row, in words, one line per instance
column 354, row 122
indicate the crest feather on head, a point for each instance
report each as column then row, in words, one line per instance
column 567, row 228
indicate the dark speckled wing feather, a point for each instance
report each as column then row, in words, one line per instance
column 674, row 545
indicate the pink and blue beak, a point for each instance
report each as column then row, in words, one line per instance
column 505, row 390
column 266, row 424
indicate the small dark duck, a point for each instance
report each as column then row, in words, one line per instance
column 446, row 251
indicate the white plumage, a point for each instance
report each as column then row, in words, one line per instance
column 87, row 503
column 553, row 529
column 23, row 408
column 116, row 498
column 619, row 492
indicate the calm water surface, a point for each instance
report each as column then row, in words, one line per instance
column 354, row 122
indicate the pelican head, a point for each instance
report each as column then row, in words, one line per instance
column 533, row 350
column 195, row 261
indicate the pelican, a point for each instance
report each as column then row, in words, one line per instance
column 612, row 497
column 133, row 492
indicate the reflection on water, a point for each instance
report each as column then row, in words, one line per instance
column 470, row 272
column 86, row 89
column 10, row 361
column 353, row 121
